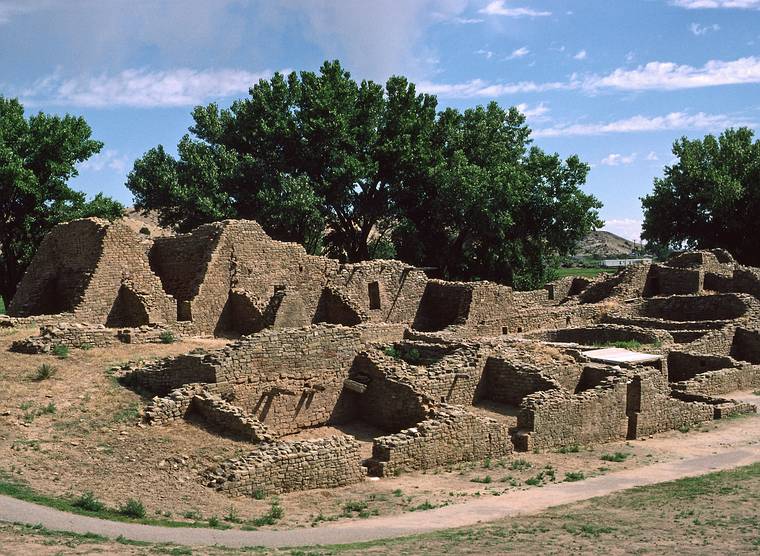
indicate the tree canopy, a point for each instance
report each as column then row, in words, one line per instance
column 38, row 156
column 360, row 170
column 709, row 198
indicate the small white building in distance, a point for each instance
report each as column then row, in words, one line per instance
column 617, row 263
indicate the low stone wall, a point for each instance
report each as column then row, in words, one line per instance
column 290, row 466
column 722, row 381
column 452, row 435
column 229, row 418
column 77, row 335
column 557, row 418
column 605, row 334
column 722, row 407
column 172, row 407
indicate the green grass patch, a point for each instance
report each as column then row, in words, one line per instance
column 60, row 351
column 582, row 271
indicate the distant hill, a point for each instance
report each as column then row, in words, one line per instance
column 138, row 221
column 603, row 244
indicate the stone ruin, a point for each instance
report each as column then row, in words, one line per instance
column 442, row 372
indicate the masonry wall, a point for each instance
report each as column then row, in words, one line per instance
column 722, row 381
column 450, row 436
column 509, row 384
column 558, row 418
column 290, row 466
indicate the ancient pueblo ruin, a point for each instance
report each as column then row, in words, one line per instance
column 448, row 371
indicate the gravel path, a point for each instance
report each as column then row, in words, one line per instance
column 731, row 446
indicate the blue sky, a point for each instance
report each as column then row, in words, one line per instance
column 615, row 81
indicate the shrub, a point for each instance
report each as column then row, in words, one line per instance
column 44, row 372
column 60, row 351
column 133, row 508
column 569, row 449
column 145, row 231
column 167, row 337
column 485, row 480
column 354, row 506
column 572, row 476
column 520, row 464
column 86, row 346
column 391, row 351
column 259, row 494
column 213, row 521
column 274, row 514
column 87, row 501
column 616, row 457
column 233, row 516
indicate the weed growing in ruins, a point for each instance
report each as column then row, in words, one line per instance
column 587, row 529
column 510, row 479
column 259, row 494
column 487, row 463
column 756, row 393
column 274, row 514
column 133, row 508
column 167, row 337
column 485, row 480
column 60, row 351
column 413, row 356
column 572, row 476
column 213, row 521
column 398, row 492
column 192, row 514
column 88, row 501
column 353, row 506
column 684, row 429
column 86, row 346
column 616, row 457
column 520, row 465
column 391, row 351
column 426, row 505
column 569, row 449
column 44, row 372
column 233, row 516
column 548, row 474
column 31, row 415
column 127, row 414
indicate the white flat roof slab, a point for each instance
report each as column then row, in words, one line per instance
column 619, row 355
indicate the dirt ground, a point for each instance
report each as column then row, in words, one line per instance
column 79, row 431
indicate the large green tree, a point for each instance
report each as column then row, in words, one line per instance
column 358, row 170
column 38, row 156
column 709, row 198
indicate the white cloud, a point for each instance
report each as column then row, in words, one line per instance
column 712, row 4
column 581, row 55
column 107, row 159
column 537, row 112
column 671, row 76
column 630, row 57
column 488, row 54
column 652, row 156
column 629, row 228
column 518, row 53
column 142, row 88
column 699, row 30
column 615, row 159
column 638, row 124
column 479, row 88
column 499, row 7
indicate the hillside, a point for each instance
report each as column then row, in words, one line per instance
column 603, row 244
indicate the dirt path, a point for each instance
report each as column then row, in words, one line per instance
column 700, row 452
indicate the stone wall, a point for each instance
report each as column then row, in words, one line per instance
column 721, row 381
column 290, row 466
column 452, row 435
column 507, row 383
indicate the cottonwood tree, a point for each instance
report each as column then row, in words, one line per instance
column 38, row 156
column 709, row 198
column 357, row 170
